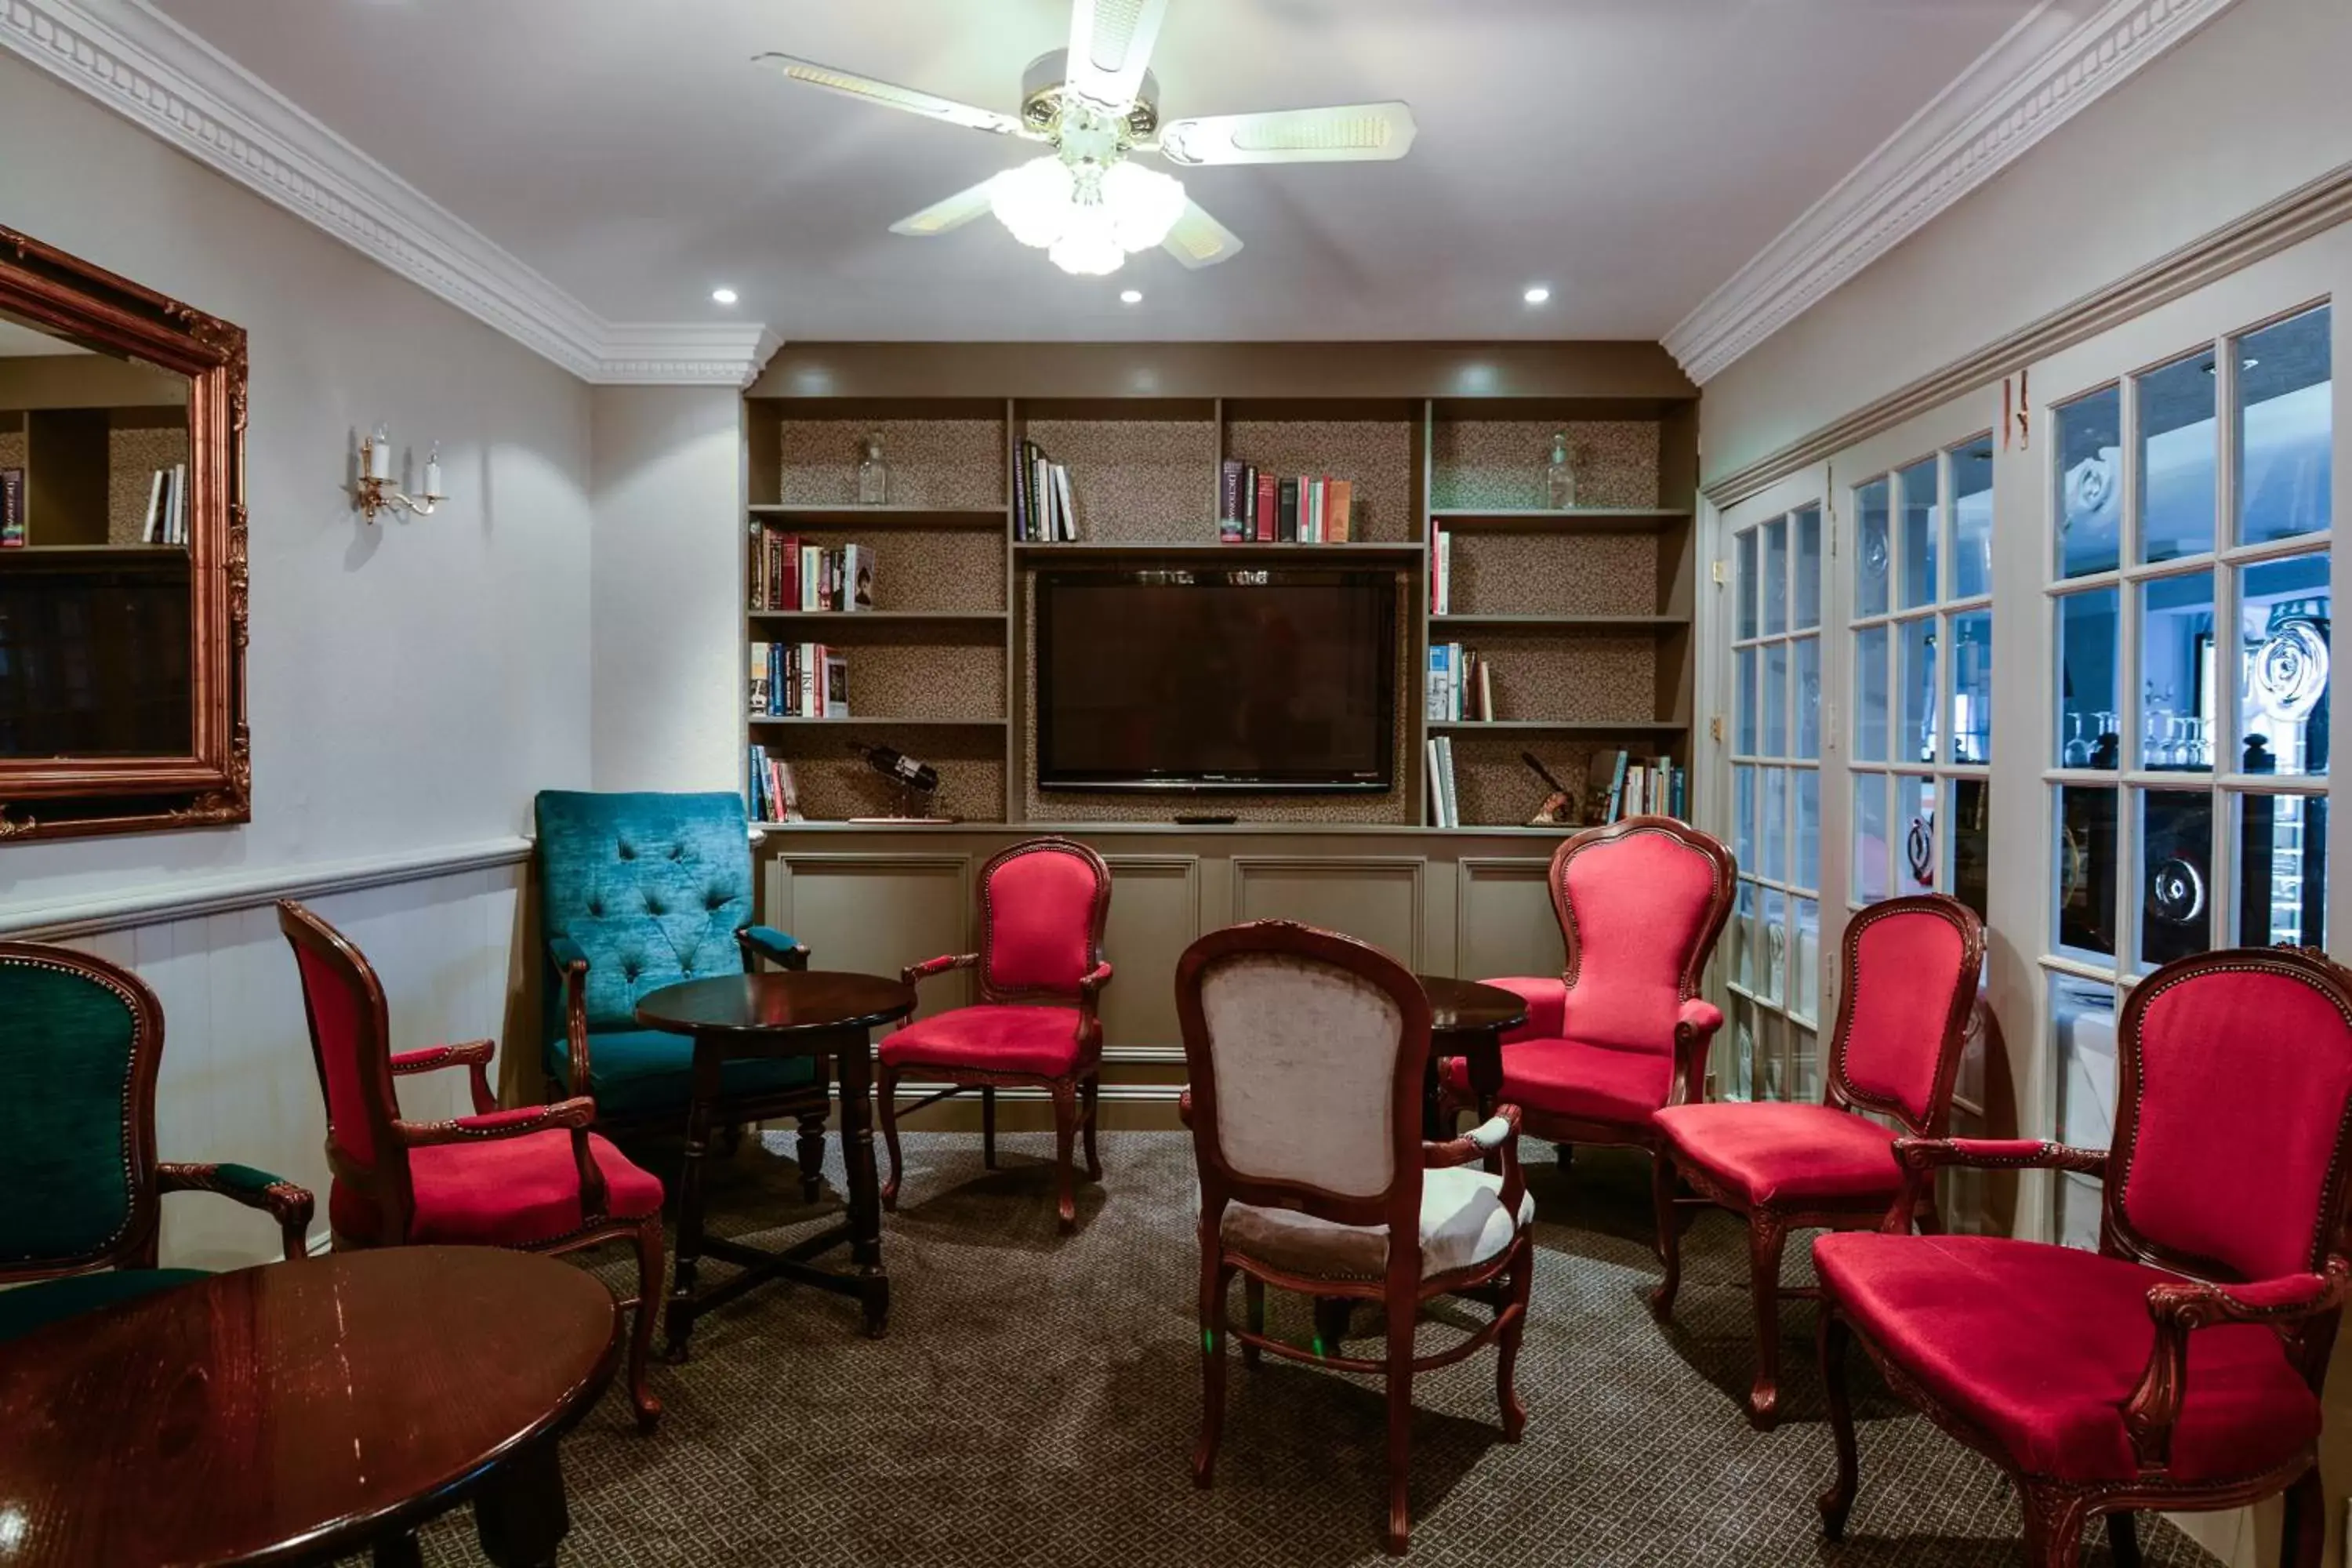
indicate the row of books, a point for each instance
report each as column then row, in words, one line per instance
column 167, row 506
column 772, row 794
column 1441, row 573
column 1445, row 807
column 1253, row 507
column 1042, row 513
column 1617, row 786
column 1460, row 683
column 798, row 680
column 12, row 509
column 790, row 573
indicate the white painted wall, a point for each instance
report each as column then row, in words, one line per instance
column 667, row 597
column 2244, row 111
column 412, row 683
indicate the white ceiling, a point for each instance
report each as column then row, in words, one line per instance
column 1632, row 153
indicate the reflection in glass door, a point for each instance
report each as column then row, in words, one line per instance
column 1774, row 942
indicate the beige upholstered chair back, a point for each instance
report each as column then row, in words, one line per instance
column 1298, row 1041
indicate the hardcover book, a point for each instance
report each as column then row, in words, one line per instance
column 1268, row 508
column 1343, row 492
column 12, row 509
column 1286, row 518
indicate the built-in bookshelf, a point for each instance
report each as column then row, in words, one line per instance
column 1583, row 614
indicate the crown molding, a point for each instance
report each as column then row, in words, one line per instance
column 2041, row 74
column 164, row 78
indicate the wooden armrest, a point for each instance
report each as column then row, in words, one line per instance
column 578, row 1112
column 290, row 1206
column 1184, row 1108
column 474, row 1054
column 1497, row 1132
column 1927, row 1155
column 1698, row 1017
column 2181, row 1307
column 914, row 973
column 1095, row 979
column 768, row 943
column 571, row 959
column 1696, row 1022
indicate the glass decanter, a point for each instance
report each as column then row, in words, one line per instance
column 1559, row 475
column 873, row 474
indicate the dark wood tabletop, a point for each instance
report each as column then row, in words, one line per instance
column 294, row 1412
column 776, row 1003
column 1458, row 1007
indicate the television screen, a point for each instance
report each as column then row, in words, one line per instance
column 1216, row 680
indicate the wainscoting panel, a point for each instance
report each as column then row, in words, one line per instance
column 1503, row 921
column 1376, row 898
column 1155, row 914
column 877, row 913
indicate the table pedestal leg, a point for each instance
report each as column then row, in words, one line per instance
column 1485, row 1059
column 520, row 1513
column 398, row 1551
column 678, row 1323
column 854, row 1062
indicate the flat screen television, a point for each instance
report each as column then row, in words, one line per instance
column 1223, row 680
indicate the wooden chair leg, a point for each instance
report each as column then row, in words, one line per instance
column 1767, row 1237
column 1838, row 1501
column 1065, row 1132
column 886, row 1105
column 1401, row 1324
column 1506, row 1390
column 2123, row 1539
column 2303, row 1532
column 1090, row 1095
column 988, row 1127
column 1664, row 1182
column 1254, row 1305
column 2053, row 1527
column 811, row 1150
column 641, row 1329
column 1216, row 1277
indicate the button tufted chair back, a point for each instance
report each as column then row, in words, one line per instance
column 652, row 887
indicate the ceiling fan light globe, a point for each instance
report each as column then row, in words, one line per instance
column 1034, row 201
column 1144, row 204
column 1090, row 249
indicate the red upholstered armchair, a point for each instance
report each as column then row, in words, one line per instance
column 1623, row 1030
column 535, row 1178
column 1042, row 904
column 2178, row 1367
column 1910, row 979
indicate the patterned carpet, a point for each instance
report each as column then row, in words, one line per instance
column 1036, row 1400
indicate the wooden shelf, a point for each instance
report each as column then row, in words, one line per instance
column 1085, row 550
column 1552, row 727
column 865, row 617
column 1575, row 520
column 1562, row 623
column 859, row 719
column 888, row 516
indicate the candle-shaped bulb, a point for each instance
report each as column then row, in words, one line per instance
column 380, row 454
column 433, row 474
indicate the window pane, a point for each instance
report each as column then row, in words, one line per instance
column 1806, row 872
column 2282, row 612
column 1773, row 831
column 2085, row 875
column 1744, row 549
column 2083, row 1014
column 1805, row 963
column 1772, row 951
column 2175, row 875
column 1921, row 525
column 1870, row 695
column 1969, row 833
column 2176, row 673
column 1775, row 575
column 1808, row 698
column 1870, row 550
column 1776, row 699
column 2282, row 870
column 1972, row 519
column 2286, row 425
column 1743, row 814
column 1871, row 862
column 1741, row 1069
column 1916, row 740
column 1971, row 725
column 1743, row 701
column 2179, row 457
column 2087, row 733
column 1915, row 816
column 1771, row 1080
column 1807, row 586
column 2090, row 483
column 1743, row 936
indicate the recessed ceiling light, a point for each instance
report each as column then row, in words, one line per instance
column 723, row 296
column 1130, row 295
column 1536, row 293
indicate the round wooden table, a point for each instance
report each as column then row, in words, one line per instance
column 784, row 1013
column 1468, row 1019
column 300, row 1412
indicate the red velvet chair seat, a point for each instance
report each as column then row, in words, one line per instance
column 1784, row 1155
column 2041, row 1346
column 1571, row 1079
column 509, row 1192
column 1042, row 1041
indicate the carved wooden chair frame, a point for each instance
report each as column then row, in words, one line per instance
column 2057, row 1511
column 1076, row 1094
column 1503, row 1282
column 1768, row 1225
column 386, row 1183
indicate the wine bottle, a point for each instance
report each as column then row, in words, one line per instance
column 898, row 766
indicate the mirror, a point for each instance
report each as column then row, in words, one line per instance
column 121, row 555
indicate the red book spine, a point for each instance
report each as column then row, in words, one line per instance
column 1267, row 508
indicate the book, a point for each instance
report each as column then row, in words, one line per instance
column 861, row 586
column 763, row 692
column 1486, row 693
column 1442, row 575
column 176, row 531
column 12, row 509
column 1437, row 789
column 1286, row 525
column 784, row 795
column 1616, row 788
column 1445, row 783
column 154, row 523
column 755, row 783
column 1336, row 523
column 1310, row 509
column 1024, row 497
column 1433, row 704
column 1269, row 508
column 1229, row 500
column 836, row 685
column 1066, row 512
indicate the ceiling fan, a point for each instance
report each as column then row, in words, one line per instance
column 1085, row 203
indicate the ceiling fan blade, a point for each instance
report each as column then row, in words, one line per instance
column 1343, row 134
column 1110, row 45
column 890, row 96
column 1198, row 240
column 954, row 213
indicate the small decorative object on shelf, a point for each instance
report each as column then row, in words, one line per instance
column 1555, row 811
column 920, row 781
column 376, row 492
column 873, row 473
column 1559, row 475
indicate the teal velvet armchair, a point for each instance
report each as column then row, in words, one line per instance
column 80, row 1188
column 637, row 892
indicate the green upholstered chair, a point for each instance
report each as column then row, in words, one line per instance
column 637, row 892
column 80, row 1188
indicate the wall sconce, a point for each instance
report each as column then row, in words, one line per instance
column 376, row 492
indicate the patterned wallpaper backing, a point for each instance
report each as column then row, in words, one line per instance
column 932, row 462
column 1500, row 463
